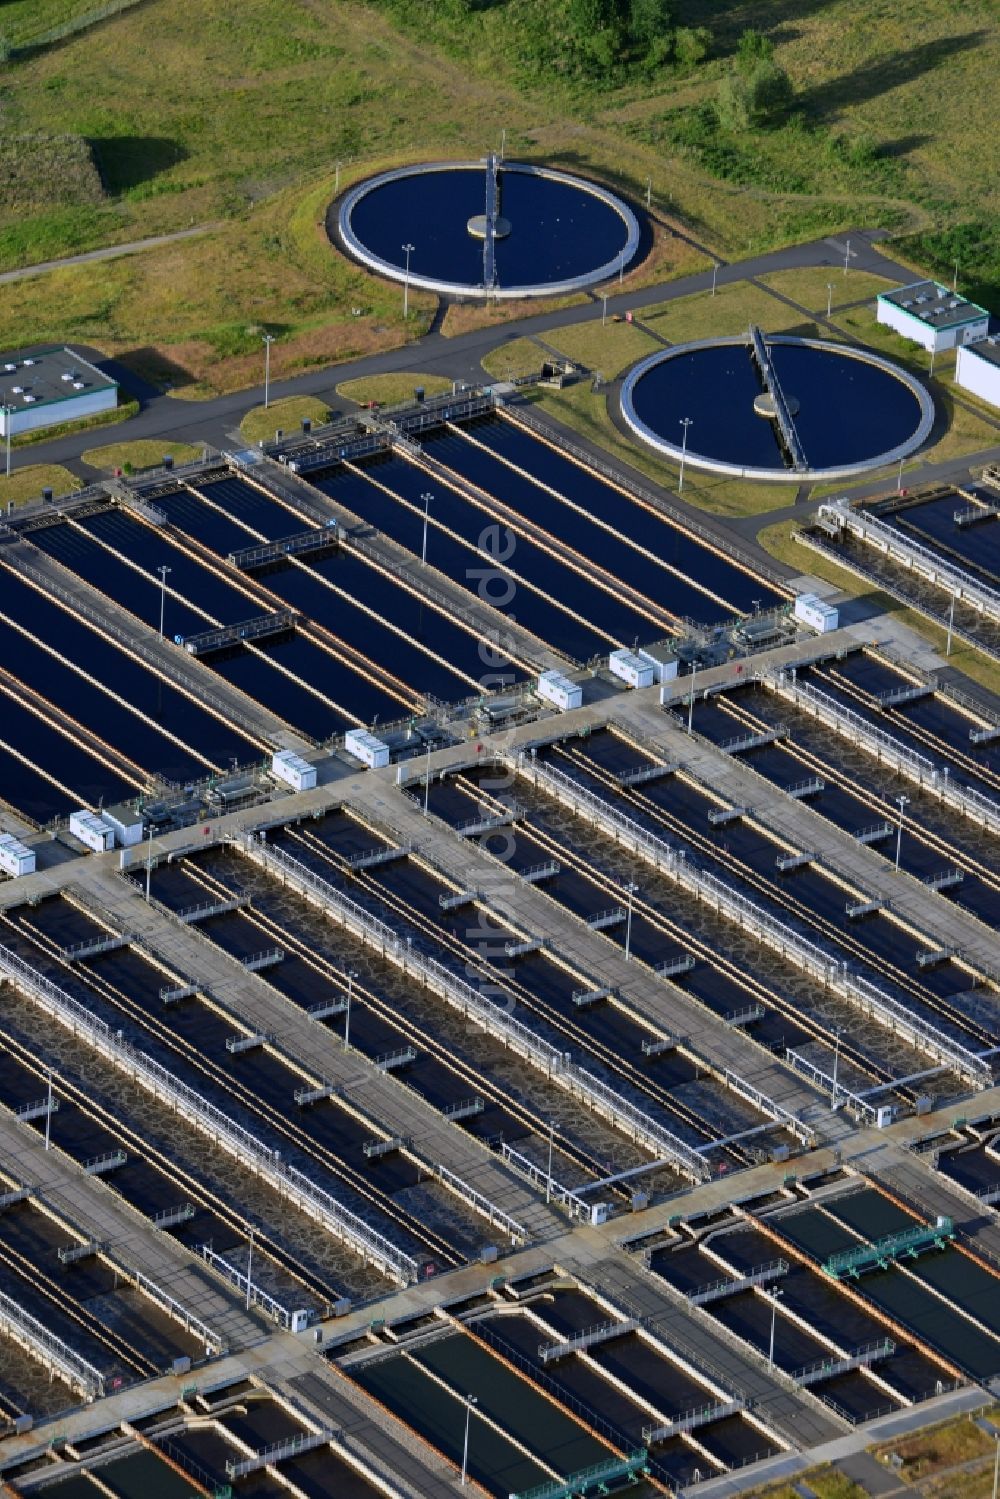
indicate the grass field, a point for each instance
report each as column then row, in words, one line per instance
column 389, row 389
column 241, row 121
column 730, row 311
column 27, row 483
column 141, row 454
column 262, row 422
column 808, row 285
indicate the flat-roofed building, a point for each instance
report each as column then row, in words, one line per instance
column 44, row 387
column 931, row 315
column 978, row 369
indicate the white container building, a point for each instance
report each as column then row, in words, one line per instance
column 15, row 857
column 366, row 748
column 632, row 668
column 293, row 770
column 931, row 315
column 978, row 369
column 663, row 661
column 92, row 830
column 46, row 386
column 126, row 824
column 812, row 611
column 559, row 690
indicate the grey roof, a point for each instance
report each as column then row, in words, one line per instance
column 934, row 304
column 986, row 348
column 48, row 374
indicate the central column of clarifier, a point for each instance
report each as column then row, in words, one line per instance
column 764, row 405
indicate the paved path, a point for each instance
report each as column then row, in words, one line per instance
column 109, row 252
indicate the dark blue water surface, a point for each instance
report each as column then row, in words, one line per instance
column 850, row 411
column 558, row 231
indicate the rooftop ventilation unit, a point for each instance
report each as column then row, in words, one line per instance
column 28, row 398
column 17, row 390
column 65, row 375
column 10, row 368
column 77, row 384
column 29, row 363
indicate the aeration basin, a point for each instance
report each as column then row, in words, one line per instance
column 776, row 408
column 486, row 228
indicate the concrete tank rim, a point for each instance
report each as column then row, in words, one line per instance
column 698, row 460
column 360, row 252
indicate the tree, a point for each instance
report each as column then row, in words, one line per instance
column 771, row 95
column 753, row 48
column 650, row 21
column 692, row 45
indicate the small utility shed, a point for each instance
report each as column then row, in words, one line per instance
column 978, row 369
column 931, row 315
column 47, row 386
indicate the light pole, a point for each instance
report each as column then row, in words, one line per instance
column 249, row 1269
column 829, row 298
column 954, row 283
column 951, row 624
column 621, row 268
column 48, row 1115
column 427, row 783
column 899, row 477
column 902, row 800
column 548, row 1179
column 686, row 421
column 149, row 861
column 694, row 673
column 470, row 1401
column 351, row 976
column 630, row 888
column 407, row 251
column 847, row 257
column 336, row 183
column 649, row 192
column 427, row 500
column 715, row 275
column 996, row 1471
column 774, row 1312
column 836, row 1064
column 933, row 353
column 604, row 308
column 268, row 340
column 8, row 412
column 163, row 569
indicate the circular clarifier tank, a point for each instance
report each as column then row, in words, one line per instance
column 813, row 411
column 488, row 228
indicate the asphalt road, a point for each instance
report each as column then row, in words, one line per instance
column 214, row 421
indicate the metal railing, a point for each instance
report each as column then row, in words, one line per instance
column 911, row 554
column 50, row 1350
column 210, row 1120
column 481, row 1204
column 753, row 918
column 493, row 1018
column 241, row 1280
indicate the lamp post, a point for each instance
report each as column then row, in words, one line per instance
column 8, row 412
column 621, row 268
column 715, row 275
column 649, row 192
column 902, row 800
column 829, row 298
column 149, row 861
column 249, row 1268
column 847, row 257
column 694, row 673
column 951, row 624
column 268, row 340
column 686, row 422
column 548, row 1179
column 836, row 1063
column 48, row 1114
column 423, row 549
column 351, row 976
column 996, row 1471
column 407, row 251
column 163, row 569
column 774, row 1312
column 899, row 477
column 604, row 308
column 470, row 1401
column 630, row 889
column 427, row 784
